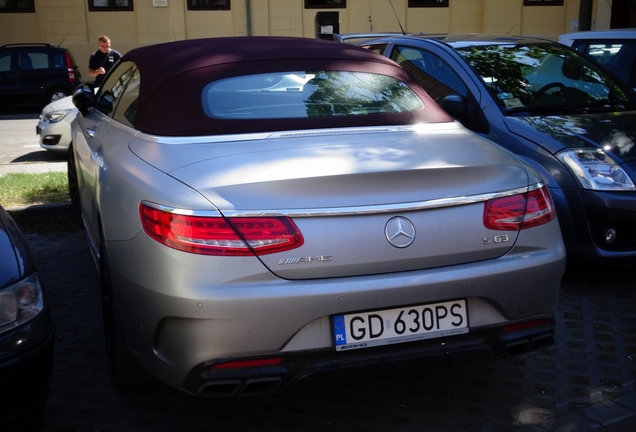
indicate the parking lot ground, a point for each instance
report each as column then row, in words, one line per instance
column 585, row 382
column 20, row 150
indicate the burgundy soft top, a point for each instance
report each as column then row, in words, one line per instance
column 173, row 76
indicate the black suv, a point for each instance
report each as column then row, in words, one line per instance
column 36, row 74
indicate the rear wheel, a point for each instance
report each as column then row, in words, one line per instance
column 57, row 94
column 123, row 367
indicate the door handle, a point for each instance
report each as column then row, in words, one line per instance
column 91, row 131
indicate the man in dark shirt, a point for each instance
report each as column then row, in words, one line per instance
column 102, row 60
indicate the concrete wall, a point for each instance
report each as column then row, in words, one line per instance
column 70, row 21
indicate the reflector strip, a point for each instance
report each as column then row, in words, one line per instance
column 525, row 325
column 249, row 363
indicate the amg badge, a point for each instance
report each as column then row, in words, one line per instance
column 309, row 259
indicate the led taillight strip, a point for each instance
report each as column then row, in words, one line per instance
column 521, row 211
column 207, row 235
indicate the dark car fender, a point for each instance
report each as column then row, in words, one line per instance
column 10, row 233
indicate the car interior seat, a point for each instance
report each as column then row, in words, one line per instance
column 25, row 62
column 622, row 63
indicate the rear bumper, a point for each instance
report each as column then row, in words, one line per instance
column 206, row 381
column 178, row 334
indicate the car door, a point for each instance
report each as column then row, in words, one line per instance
column 441, row 76
column 6, row 75
column 98, row 132
column 32, row 68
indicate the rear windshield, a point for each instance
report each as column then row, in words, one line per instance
column 308, row 94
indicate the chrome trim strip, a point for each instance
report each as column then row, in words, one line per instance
column 354, row 210
column 297, row 133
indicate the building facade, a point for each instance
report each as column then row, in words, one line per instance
column 77, row 24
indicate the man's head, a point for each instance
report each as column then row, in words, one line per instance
column 103, row 44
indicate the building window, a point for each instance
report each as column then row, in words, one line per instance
column 109, row 5
column 543, row 2
column 13, row 6
column 428, row 3
column 208, row 4
column 322, row 4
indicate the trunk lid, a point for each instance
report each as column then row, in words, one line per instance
column 344, row 191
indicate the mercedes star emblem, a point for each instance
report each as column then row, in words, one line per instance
column 400, row 232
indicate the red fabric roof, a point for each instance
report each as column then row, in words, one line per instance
column 174, row 74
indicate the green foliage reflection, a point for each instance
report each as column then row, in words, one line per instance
column 336, row 93
column 540, row 75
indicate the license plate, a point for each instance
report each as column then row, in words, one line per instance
column 391, row 326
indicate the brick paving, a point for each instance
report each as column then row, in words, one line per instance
column 585, row 382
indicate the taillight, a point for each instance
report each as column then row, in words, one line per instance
column 519, row 212
column 238, row 236
column 69, row 68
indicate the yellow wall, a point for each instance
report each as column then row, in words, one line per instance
column 18, row 28
column 546, row 21
column 603, row 14
column 155, row 24
column 60, row 20
column 202, row 24
column 285, row 18
column 70, row 21
column 468, row 16
column 505, row 16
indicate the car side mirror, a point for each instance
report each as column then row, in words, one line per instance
column 84, row 98
column 455, row 105
column 106, row 102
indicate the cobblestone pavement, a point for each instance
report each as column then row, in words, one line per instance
column 584, row 382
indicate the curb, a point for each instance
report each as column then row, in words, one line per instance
column 32, row 168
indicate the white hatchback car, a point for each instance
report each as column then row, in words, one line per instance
column 54, row 127
column 615, row 49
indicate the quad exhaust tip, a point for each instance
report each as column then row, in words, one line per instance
column 524, row 346
column 240, row 387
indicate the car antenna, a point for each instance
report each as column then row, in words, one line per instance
column 63, row 39
column 397, row 18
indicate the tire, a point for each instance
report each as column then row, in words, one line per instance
column 57, row 94
column 124, row 369
column 73, row 183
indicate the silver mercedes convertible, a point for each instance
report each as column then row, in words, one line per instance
column 264, row 208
